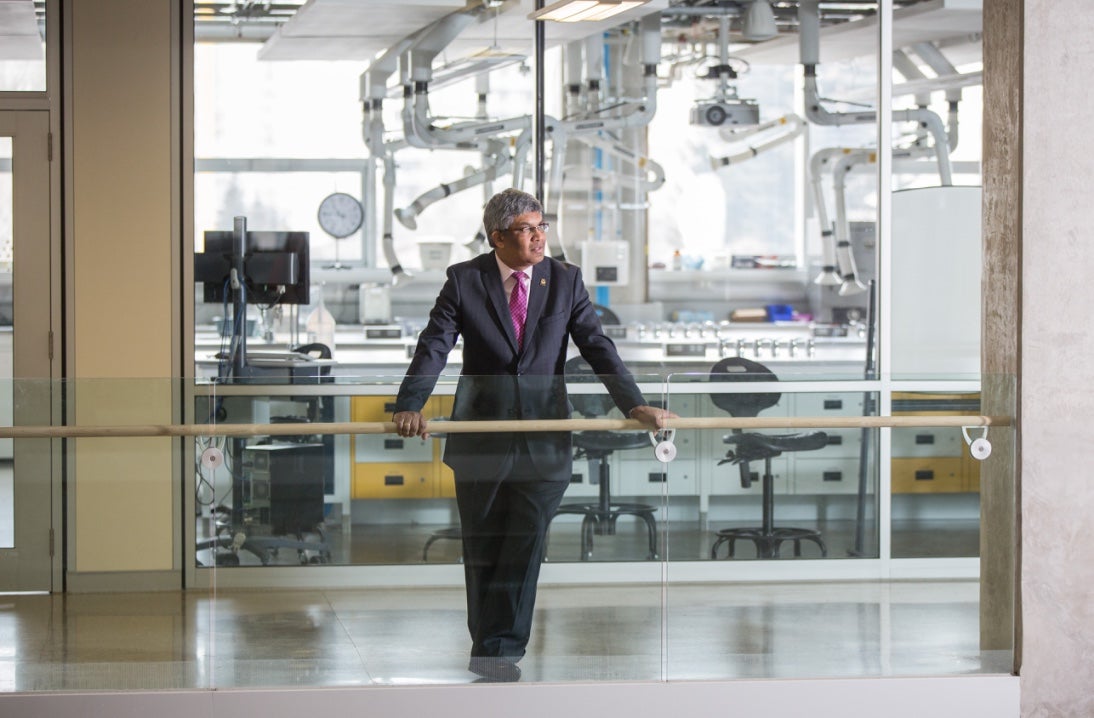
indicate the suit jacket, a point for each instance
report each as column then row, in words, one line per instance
column 499, row 382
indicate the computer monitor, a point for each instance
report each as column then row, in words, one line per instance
column 275, row 267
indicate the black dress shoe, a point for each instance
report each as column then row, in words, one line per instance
column 494, row 669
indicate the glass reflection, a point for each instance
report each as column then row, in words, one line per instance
column 7, row 259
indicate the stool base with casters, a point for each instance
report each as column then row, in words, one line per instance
column 767, row 543
column 451, row 533
column 600, row 517
column 767, row 537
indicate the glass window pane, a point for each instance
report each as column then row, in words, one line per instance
column 23, row 50
column 935, row 480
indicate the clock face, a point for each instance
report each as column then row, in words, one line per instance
column 340, row 215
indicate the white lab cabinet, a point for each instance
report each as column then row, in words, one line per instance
column 936, row 299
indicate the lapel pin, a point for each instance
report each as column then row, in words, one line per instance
column 543, row 282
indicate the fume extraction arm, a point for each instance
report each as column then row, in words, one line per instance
column 501, row 151
column 596, row 116
column 838, row 259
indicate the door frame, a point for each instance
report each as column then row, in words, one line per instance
column 32, row 564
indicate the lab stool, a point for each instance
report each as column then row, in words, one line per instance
column 452, row 533
column 600, row 517
column 748, row 446
column 767, row 537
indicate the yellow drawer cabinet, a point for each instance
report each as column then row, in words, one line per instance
column 933, row 460
column 379, row 480
column 929, row 475
column 385, row 466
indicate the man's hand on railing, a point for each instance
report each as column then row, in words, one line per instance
column 411, row 423
column 652, row 416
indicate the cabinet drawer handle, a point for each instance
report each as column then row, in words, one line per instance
column 832, row 476
column 657, row 477
column 393, row 443
column 833, row 404
column 924, row 439
column 393, row 480
column 924, row 475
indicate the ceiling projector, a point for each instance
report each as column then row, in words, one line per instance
column 715, row 113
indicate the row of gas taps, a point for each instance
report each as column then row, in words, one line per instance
column 794, row 347
column 726, row 346
column 680, row 330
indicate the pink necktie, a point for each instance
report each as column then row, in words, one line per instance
column 518, row 307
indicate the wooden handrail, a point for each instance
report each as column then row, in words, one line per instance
column 440, row 426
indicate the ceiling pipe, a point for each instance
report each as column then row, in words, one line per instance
column 945, row 70
column 909, row 70
column 940, row 64
column 845, row 255
column 792, row 126
column 653, row 173
column 809, row 44
column 829, row 274
column 591, row 122
column 373, row 90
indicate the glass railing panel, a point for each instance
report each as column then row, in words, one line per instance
column 364, row 601
column 781, row 615
column 94, row 475
column 792, row 489
column 934, row 478
column 370, row 500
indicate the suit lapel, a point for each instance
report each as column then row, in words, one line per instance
column 491, row 279
column 537, row 299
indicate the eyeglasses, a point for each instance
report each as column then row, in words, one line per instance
column 526, row 231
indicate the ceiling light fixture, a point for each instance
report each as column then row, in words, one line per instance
column 759, row 21
column 584, row 10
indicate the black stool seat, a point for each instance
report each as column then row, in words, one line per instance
column 753, row 447
column 609, row 441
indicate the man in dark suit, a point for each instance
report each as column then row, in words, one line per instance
column 517, row 310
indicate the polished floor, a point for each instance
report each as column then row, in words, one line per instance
column 415, row 636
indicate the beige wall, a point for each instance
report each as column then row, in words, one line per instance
column 122, row 276
column 1057, row 343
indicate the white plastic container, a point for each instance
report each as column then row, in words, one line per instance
column 375, row 304
column 435, row 255
column 320, row 325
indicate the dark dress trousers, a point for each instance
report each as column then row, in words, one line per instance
column 508, row 486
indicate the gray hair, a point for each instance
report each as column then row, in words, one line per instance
column 504, row 207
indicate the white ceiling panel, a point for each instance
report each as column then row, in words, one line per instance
column 926, row 22
column 378, row 24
